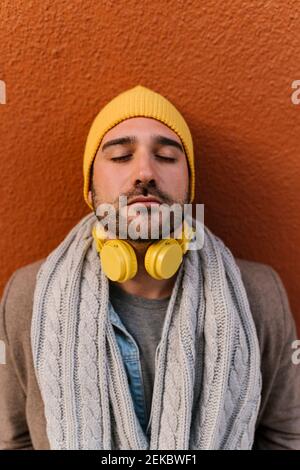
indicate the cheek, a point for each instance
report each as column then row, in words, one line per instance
column 178, row 180
column 107, row 182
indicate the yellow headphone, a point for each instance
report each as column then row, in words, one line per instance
column 162, row 259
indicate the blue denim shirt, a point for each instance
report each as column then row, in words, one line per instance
column 131, row 359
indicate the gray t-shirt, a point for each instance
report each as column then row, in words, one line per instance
column 144, row 319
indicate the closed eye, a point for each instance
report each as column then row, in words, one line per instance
column 119, row 159
column 168, row 159
column 125, row 157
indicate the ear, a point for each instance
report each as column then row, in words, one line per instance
column 90, row 198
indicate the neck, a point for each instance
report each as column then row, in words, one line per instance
column 143, row 285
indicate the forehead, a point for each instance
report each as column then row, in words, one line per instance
column 141, row 127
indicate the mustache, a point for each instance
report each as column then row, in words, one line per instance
column 146, row 192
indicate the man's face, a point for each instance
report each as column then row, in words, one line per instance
column 147, row 162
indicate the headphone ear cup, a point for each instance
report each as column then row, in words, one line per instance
column 163, row 258
column 118, row 260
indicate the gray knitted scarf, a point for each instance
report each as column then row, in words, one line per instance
column 207, row 387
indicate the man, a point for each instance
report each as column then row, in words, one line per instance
column 130, row 350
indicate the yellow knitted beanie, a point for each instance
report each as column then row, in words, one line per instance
column 137, row 101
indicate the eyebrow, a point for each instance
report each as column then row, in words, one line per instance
column 130, row 139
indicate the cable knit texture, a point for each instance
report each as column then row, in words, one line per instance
column 207, row 387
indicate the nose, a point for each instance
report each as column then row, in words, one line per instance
column 143, row 168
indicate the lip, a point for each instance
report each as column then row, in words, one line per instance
column 145, row 200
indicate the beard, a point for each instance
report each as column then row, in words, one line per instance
column 141, row 226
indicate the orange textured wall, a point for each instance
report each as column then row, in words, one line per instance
column 228, row 66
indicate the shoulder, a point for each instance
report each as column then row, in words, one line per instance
column 17, row 299
column 268, row 301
